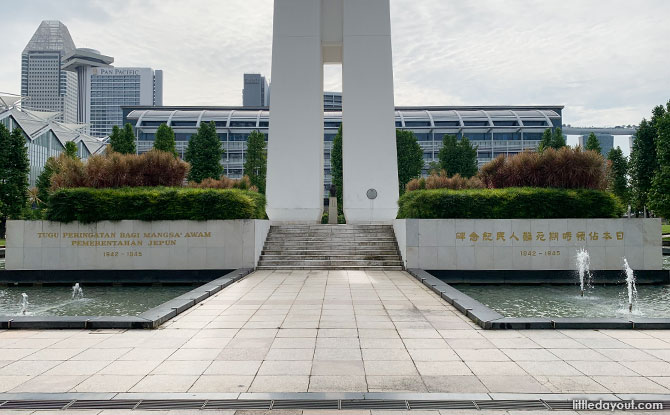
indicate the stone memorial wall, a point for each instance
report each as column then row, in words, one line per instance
column 135, row 245
column 528, row 244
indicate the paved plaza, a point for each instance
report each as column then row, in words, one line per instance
column 331, row 331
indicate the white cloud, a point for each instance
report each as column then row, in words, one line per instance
column 606, row 60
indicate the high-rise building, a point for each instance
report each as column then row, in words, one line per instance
column 256, row 91
column 80, row 61
column 332, row 100
column 112, row 87
column 44, row 85
column 606, row 142
column 103, row 89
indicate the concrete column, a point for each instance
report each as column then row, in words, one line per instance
column 295, row 146
column 368, row 116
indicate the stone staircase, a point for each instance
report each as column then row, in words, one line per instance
column 331, row 247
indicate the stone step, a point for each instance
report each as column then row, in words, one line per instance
column 326, row 226
column 330, row 233
column 327, row 257
column 344, row 244
column 320, row 268
column 327, row 263
column 275, row 238
column 352, row 251
column 330, row 247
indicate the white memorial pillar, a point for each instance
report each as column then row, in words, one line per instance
column 294, row 187
column 369, row 158
column 307, row 34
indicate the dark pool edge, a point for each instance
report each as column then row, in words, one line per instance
column 489, row 319
column 533, row 277
column 120, row 277
column 149, row 319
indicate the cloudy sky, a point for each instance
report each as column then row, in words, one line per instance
column 606, row 60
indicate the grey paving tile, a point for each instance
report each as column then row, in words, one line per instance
column 337, row 384
column 385, row 354
column 433, row 355
column 107, row 383
column 390, row 368
column 165, row 383
column 181, row 367
column 9, row 382
column 548, row 368
column 454, row 384
column 571, row 384
column 49, row 384
column 630, row 384
column 290, row 354
column 517, row 384
column 456, row 368
column 338, row 368
column 242, row 354
column 395, row 383
column 593, row 368
column 285, row 368
column 337, row 354
column 221, row 383
column 280, row 384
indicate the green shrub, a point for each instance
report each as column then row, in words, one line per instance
column 509, row 203
column 88, row 205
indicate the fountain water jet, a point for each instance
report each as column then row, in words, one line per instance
column 77, row 292
column 24, row 303
column 630, row 284
column 583, row 267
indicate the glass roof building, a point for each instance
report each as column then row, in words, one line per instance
column 45, row 137
column 495, row 130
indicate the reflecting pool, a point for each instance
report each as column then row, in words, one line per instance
column 94, row 301
column 609, row 301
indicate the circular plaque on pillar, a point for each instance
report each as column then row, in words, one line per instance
column 372, row 194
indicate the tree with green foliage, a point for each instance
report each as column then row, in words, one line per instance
column 256, row 162
column 123, row 140
column 336, row 167
column 658, row 113
column 71, row 150
column 552, row 139
column 410, row 157
column 204, row 152
column 593, row 144
column 14, row 170
column 617, row 177
column 546, row 141
column 643, row 164
column 659, row 195
column 458, row 156
column 43, row 182
column 558, row 140
column 165, row 139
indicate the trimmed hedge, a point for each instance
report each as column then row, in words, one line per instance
column 509, row 203
column 89, row 205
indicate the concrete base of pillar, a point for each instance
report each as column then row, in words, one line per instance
column 332, row 211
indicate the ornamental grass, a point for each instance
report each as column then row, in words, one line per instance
column 566, row 168
column 115, row 170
